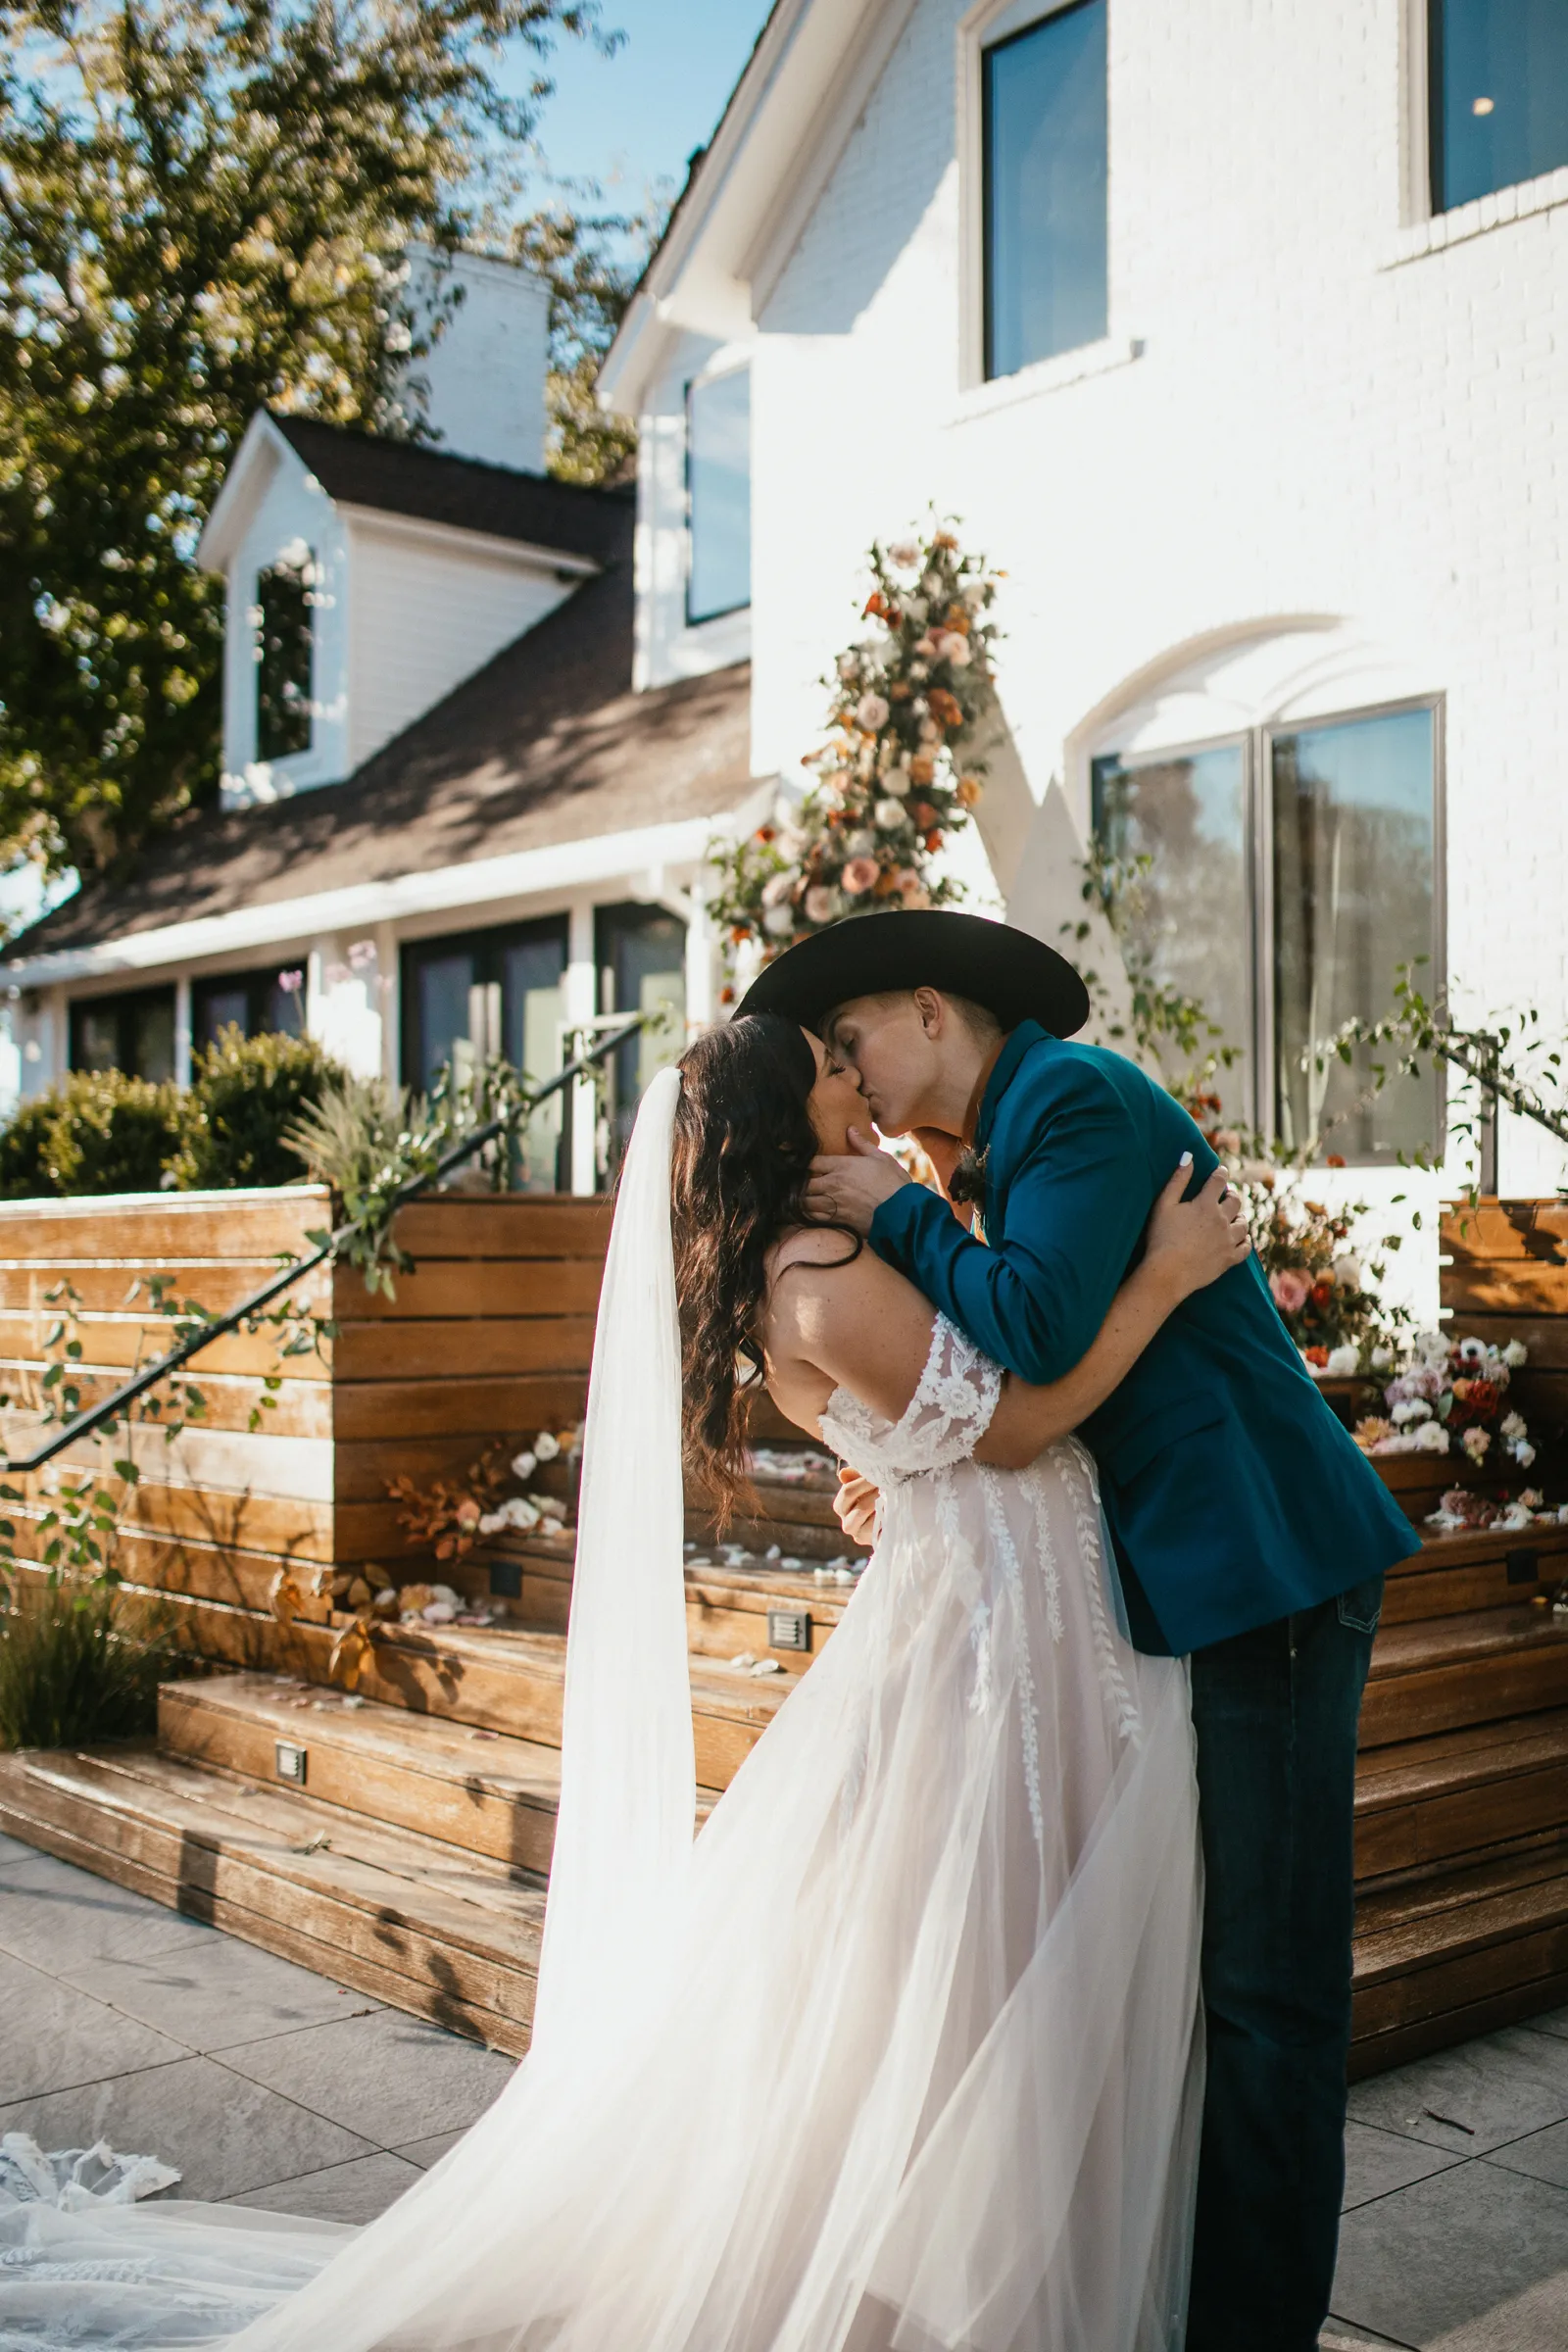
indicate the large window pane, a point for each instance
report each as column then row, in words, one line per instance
column 254, row 1003
column 1498, row 73
column 718, row 423
column 1045, row 143
column 133, row 1032
column 642, row 968
column 485, row 993
column 1353, row 825
column 284, row 636
column 1188, row 913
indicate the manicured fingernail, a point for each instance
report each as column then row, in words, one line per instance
column 1186, row 1161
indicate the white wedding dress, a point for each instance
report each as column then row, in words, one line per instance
column 903, row 2053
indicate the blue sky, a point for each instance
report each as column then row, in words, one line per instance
column 633, row 120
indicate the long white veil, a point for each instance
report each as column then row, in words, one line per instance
column 628, row 1773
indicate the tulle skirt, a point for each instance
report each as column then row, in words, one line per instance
column 914, row 2059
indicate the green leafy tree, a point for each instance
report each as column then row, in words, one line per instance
column 203, row 209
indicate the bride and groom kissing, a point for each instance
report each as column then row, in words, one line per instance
column 1003, row 2000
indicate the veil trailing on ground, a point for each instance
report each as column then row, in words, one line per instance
column 628, row 1773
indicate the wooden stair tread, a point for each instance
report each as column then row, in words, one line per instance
column 477, row 1903
column 1445, row 1761
column 1416, row 1910
column 1446, row 1641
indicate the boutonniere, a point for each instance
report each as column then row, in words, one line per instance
column 968, row 1179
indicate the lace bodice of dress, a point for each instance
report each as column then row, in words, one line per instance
column 943, row 1423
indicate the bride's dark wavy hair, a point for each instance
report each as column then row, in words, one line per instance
column 742, row 1153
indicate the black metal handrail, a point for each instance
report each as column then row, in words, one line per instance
column 83, row 1424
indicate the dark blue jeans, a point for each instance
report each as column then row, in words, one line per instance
column 1276, row 1713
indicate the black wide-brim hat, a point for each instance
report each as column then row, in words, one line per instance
column 1014, row 975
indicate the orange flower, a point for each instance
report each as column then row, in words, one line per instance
column 764, row 833
column 727, row 994
column 968, row 791
column 876, row 604
column 922, row 767
column 933, row 840
column 887, row 883
column 739, row 934
column 944, row 539
column 945, row 707
column 959, row 618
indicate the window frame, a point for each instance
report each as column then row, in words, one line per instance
column 489, row 941
column 306, row 568
column 258, row 981
column 1257, row 767
column 1422, row 144
column 989, row 24
column 702, row 382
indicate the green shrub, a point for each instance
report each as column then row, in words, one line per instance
column 96, row 1131
column 245, row 1093
column 72, row 1673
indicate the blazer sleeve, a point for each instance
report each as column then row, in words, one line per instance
column 1077, row 1198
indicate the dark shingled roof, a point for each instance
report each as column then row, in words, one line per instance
column 546, row 743
column 405, row 477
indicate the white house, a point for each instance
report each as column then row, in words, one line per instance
column 449, row 823
column 1237, row 334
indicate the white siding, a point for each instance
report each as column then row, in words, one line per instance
column 425, row 616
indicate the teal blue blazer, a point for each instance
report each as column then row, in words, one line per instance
column 1233, row 1494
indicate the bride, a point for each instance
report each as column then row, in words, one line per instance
column 902, row 2052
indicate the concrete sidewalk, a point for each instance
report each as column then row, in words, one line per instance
column 268, row 2085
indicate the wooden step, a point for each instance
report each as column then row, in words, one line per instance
column 1454, row 1575
column 1421, row 1804
column 727, row 1602
column 510, row 1679
column 1442, row 1673
column 446, row 1935
column 1459, row 1953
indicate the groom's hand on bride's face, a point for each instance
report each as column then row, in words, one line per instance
column 848, row 1189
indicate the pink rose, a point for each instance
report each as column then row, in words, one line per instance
column 1291, row 1289
column 821, row 903
column 859, row 875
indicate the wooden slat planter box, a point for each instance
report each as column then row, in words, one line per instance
column 489, row 1339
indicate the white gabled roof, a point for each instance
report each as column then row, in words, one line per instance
column 258, row 459
column 751, row 193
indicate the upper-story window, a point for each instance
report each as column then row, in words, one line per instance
column 284, row 650
column 1043, row 148
column 1290, row 872
column 718, row 483
column 1497, row 89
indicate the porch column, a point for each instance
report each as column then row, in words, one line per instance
column 582, row 1003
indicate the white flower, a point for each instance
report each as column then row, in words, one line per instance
column 974, row 593
column 1342, row 1361
column 551, row 1506
column 953, row 649
column 1432, row 1437
column 849, row 666
column 932, row 584
column 1348, row 1271
column 871, row 712
column 860, row 844
column 1515, row 1353
column 546, row 1446
column 523, row 1465
column 887, row 813
column 438, row 1612
column 905, row 553
column 1476, row 1442
column 898, row 781
column 823, row 904
column 778, row 887
column 779, row 921
column 1523, row 1454
column 491, row 1523
column 1513, row 1426
column 1472, row 1351
column 1411, row 1408
column 918, row 610
column 446, row 1593
column 1382, row 1358
column 518, row 1512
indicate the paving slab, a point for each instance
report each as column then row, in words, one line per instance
column 1473, row 2099
column 212, row 1996
column 357, row 2191
column 1376, row 2163
column 1544, row 2155
column 425, row 2152
column 59, row 1917
column 52, row 2038
column 388, row 2077
column 1445, row 2261
column 224, row 2133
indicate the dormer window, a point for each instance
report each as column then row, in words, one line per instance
column 285, row 650
column 718, row 483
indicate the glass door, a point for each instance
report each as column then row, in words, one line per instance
column 484, row 993
column 642, row 968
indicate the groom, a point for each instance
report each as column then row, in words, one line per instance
column 1248, row 1531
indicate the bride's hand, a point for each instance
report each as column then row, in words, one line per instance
column 1192, row 1242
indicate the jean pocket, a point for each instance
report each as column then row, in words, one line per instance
column 1362, row 1606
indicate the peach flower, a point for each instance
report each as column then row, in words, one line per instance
column 859, row 876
